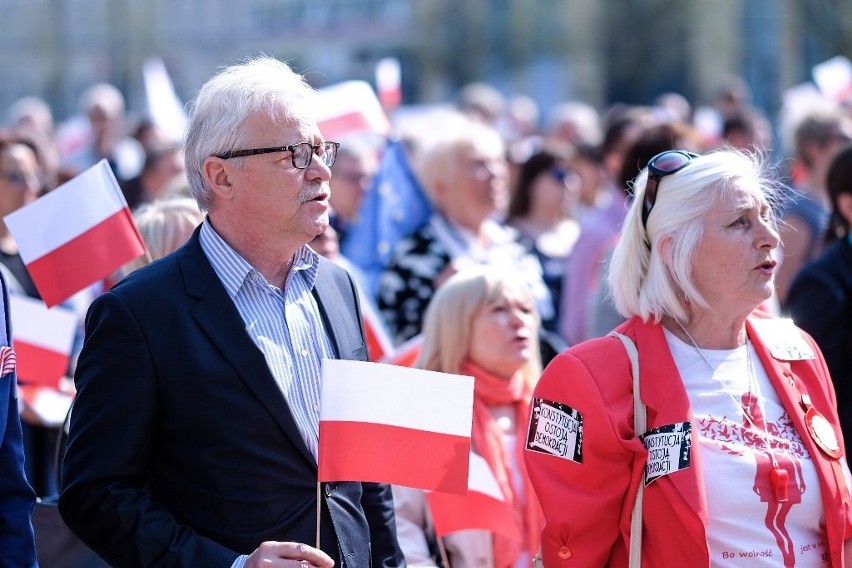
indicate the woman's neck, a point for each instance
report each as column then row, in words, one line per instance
column 708, row 332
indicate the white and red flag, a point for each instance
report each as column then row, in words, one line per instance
column 392, row 424
column 43, row 339
column 483, row 507
column 389, row 82
column 76, row 234
column 350, row 108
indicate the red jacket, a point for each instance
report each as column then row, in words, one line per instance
column 587, row 505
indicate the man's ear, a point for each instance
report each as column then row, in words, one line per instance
column 215, row 172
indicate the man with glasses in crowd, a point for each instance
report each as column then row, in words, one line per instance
column 193, row 439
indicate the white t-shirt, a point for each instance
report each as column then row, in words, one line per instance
column 748, row 525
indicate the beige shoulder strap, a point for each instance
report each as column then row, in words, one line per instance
column 640, row 425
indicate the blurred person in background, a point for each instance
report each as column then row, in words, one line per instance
column 165, row 225
column 540, row 209
column 747, row 129
column 103, row 105
column 806, row 209
column 570, row 123
column 20, row 184
column 465, row 173
column 601, row 224
column 482, row 102
column 482, row 323
column 32, row 118
column 162, row 168
column 586, row 161
column 742, row 454
column 820, row 299
column 152, row 136
column 356, row 167
column 601, row 315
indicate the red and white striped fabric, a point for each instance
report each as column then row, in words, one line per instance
column 350, row 108
column 407, row 353
column 43, row 339
column 392, row 424
column 8, row 360
column 77, row 234
column 379, row 344
column 483, row 507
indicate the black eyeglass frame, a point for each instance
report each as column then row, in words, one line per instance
column 329, row 148
column 655, row 174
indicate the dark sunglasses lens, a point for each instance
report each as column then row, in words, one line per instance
column 670, row 162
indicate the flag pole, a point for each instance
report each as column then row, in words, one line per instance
column 439, row 540
column 319, row 512
column 444, row 559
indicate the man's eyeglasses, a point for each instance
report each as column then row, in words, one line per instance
column 301, row 153
column 660, row 166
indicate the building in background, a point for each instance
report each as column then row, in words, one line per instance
column 601, row 51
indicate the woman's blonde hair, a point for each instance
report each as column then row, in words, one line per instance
column 449, row 318
column 165, row 224
column 641, row 282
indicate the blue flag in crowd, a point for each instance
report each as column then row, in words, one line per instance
column 395, row 207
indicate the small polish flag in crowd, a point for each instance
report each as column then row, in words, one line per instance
column 389, row 83
column 483, row 507
column 76, row 234
column 391, row 424
column 43, row 339
column 350, row 108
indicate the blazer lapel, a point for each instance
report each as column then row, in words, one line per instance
column 219, row 319
column 785, row 383
column 337, row 313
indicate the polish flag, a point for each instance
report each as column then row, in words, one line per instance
column 43, row 339
column 483, row 507
column 350, row 108
column 379, row 344
column 389, row 83
column 407, row 353
column 77, row 234
column 391, row 424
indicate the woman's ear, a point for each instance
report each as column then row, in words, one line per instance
column 664, row 249
column 844, row 206
column 215, row 172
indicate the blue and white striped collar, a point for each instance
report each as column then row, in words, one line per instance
column 233, row 269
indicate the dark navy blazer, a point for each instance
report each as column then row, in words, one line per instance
column 182, row 449
column 17, row 499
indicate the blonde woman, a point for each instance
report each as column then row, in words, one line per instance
column 165, row 224
column 482, row 322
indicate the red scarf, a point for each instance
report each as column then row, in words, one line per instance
column 490, row 391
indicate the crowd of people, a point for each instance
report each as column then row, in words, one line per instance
column 553, row 244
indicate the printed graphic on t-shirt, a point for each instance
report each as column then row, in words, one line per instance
column 669, row 450
column 555, row 429
column 778, row 482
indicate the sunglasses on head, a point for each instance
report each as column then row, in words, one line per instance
column 660, row 166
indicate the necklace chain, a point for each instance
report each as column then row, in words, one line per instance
column 751, row 380
column 739, row 404
column 778, row 483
